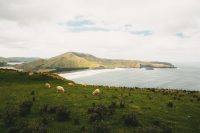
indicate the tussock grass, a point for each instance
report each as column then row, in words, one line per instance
column 155, row 110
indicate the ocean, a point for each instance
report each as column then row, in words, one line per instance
column 185, row 76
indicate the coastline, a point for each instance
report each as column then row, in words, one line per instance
column 133, row 77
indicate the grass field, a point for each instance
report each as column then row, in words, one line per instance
column 114, row 110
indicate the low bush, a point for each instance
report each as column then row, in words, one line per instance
column 76, row 121
column 170, row 104
column 62, row 114
column 10, row 116
column 99, row 112
column 25, row 108
column 33, row 126
column 13, row 129
column 44, row 109
column 167, row 130
column 100, row 127
column 150, row 130
column 122, row 104
column 131, row 120
column 52, row 109
column 83, row 129
column 156, row 123
column 198, row 99
column 44, row 120
column 32, row 92
column 112, row 105
column 33, row 99
column 95, row 117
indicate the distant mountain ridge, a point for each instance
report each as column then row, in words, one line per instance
column 75, row 60
column 18, row 59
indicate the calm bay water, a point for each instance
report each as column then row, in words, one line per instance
column 186, row 76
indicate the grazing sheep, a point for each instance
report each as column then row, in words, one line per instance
column 96, row 92
column 70, row 84
column 85, row 85
column 60, row 89
column 47, row 85
column 30, row 74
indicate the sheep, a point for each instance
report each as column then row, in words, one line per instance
column 96, row 92
column 60, row 89
column 84, row 85
column 47, row 85
column 70, row 84
column 30, row 73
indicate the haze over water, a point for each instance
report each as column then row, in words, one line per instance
column 186, row 76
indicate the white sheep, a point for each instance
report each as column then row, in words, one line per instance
column 96, row 92
column 47, row 85
column 30, row 73
column 70, row 84
column 60, row 89
column 85, row 85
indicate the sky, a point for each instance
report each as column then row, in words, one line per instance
column 156, row 30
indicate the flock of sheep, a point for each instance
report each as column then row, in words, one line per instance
column 62, row 90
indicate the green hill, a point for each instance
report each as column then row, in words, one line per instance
column 80, row 60
column 18, row 59
column 26, row 105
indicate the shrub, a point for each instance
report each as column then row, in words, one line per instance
column 95, row 117
column 167, row 130
column 32, row 92
column 99, row 112
column 33, row 126
column 90, row 110
column 156, row 123
column 25, row 108
column 198, row 99
column 114, row 97
column 100, row 127
column 33, row 99
column 62, row 114
column 93, row 104
column 52, row 109
column 76, row 121
column 112, row 105
column 150, row 130
column 122, row 104
column 83, row 129
column 131, row 120
column 44, row 109
column 13, row 130
column 10, row 116
column 44, row 120
column 170, row 104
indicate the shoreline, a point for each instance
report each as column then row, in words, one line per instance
column 84, row 77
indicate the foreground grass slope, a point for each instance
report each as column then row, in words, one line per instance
column 26, row 105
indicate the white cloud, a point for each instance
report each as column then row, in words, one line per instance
column 34, row 28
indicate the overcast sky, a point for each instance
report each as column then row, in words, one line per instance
column 164, row 30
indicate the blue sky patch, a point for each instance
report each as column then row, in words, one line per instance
column 180, row 35
column 142, row 32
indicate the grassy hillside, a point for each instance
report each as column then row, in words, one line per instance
column 81, row 60
column 26, row 105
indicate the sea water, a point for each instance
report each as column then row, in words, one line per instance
column 185, row 76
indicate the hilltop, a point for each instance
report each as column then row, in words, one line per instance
column 18, row 59
column 75, row 60
column 26, row 105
